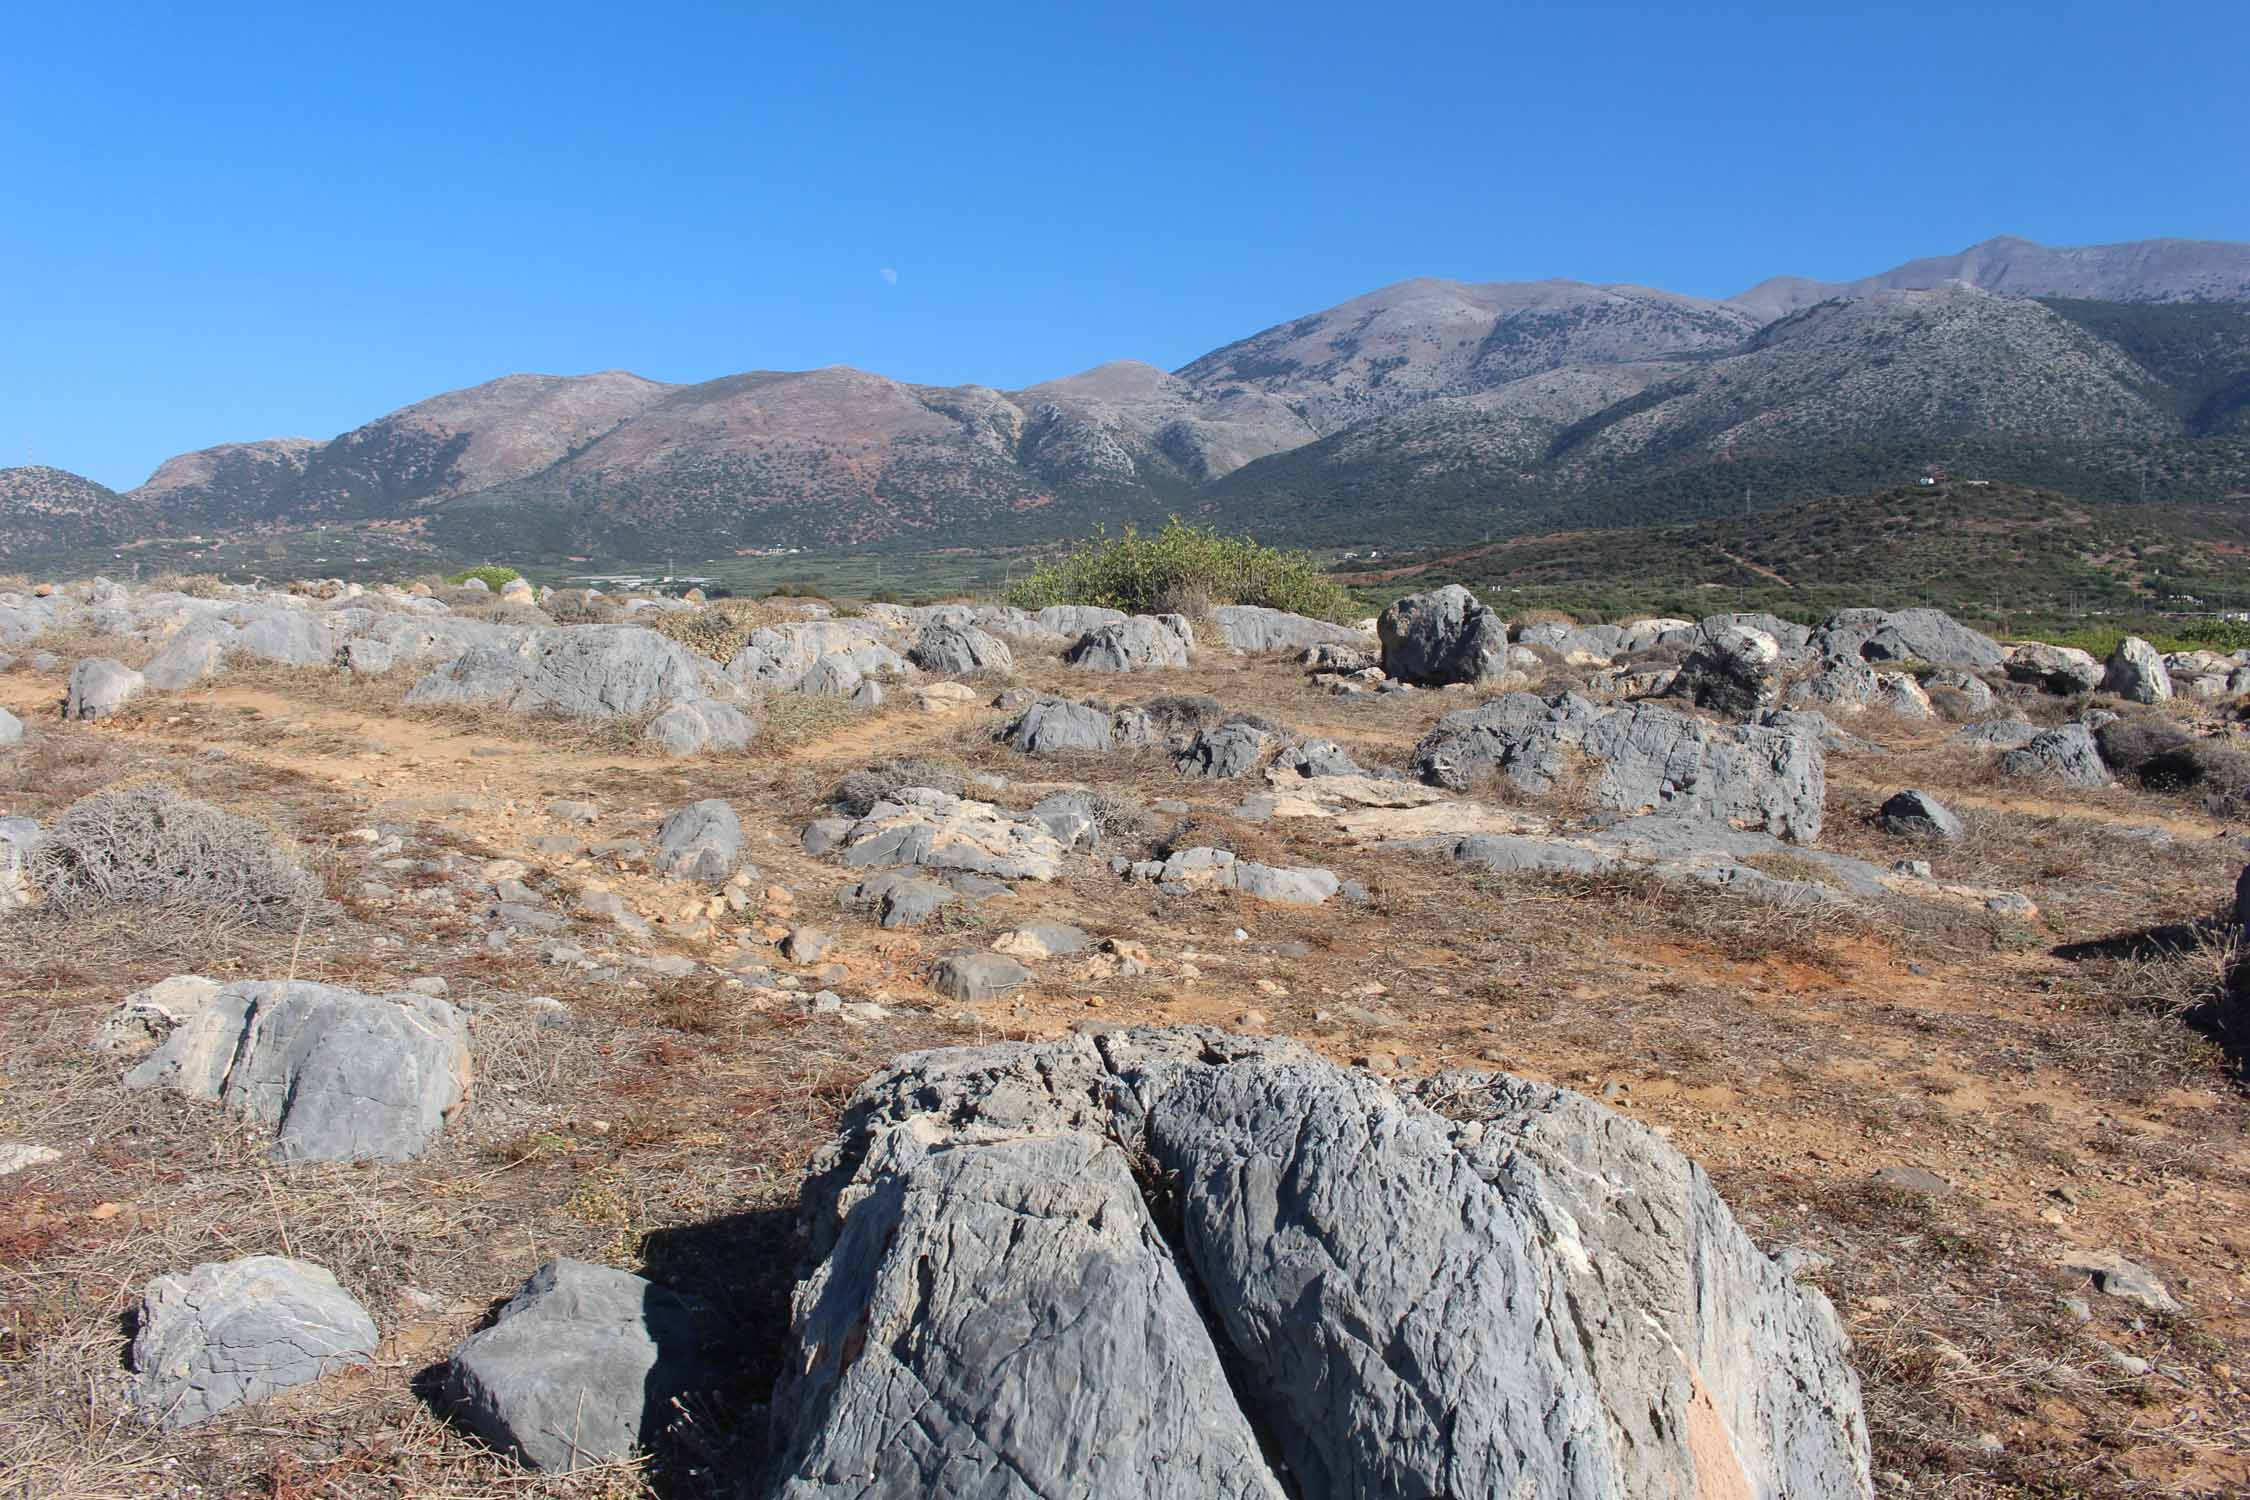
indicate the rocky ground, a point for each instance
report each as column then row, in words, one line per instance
column 656, row 904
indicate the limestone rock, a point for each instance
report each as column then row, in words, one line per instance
column 2136, row 673
column 944, row 832
column 1135, row 644
column 229, row 1333
column 99, row 687
column 1917, row 814
column 1443, row 636
column 338, row 1075
column 1354, row 1294
column 701, row 841
column 581, row 1367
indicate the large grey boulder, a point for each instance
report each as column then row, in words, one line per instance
column 1965, row 695
column 1733, row 670
column 198, row 652
column 1224, row 751
column 1844, row 683
column 580, row 1367
column 960, row 648
column 2063, row 670
column 11, row 729
column 1056, row 726
column 1927, row 635
column 1353, row 1294
column 289, row 637
column 2066, row 753
column 1135, row 645
column 701, row 841
column 1443, row 636
column 2136, row 673
column 337, row 1075
column 1249, row 627
column 1643, row 758
column 578, row 671
column 99, row 687
column 230, row 1333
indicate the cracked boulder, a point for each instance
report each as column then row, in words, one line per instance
column 337, row 1075
column 230, row 1333
column 1481, row 1286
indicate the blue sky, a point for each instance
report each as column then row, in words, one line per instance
column 231, row 222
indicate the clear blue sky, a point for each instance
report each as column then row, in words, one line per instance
column 231, row 222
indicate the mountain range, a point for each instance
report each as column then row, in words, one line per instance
column 1422, row 409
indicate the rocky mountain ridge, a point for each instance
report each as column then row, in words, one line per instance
column 1424, row 405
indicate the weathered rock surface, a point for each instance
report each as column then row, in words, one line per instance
column 580, row 671
column 1523, row 1295
column 1733, row 670
column 1917, row 814
column 1135, row 644
column 2064, row 670
column 2136, row 673
column 229, row 1333
column 17, row 835
column 921, row 826
column 1926, row 635
column 977, row 976
column 1054, row 726
column 1443, row 636
column 580, row 1367
column 1225, row 751
column 145, row 1018
column 960, row 649
column 701, row 841
column 1187, row 869
column 703, row 727
column 337, row 1075
column 1248, row 627
column 1644, row 759
column 99, row 687
column 2065, row 753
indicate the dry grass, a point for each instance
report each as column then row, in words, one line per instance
column 662, row 1124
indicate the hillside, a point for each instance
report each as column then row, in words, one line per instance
column 1984, row 552
column 38, row 504
column 1426, row 410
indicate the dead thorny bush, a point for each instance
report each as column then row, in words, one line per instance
column 145, row 845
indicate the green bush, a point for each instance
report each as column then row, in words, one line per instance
column 1183, row 569
column 491, row 575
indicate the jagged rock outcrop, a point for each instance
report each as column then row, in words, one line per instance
column 1249, row 627
column 1484, row 1286
column 959, row 649
column 939, row 831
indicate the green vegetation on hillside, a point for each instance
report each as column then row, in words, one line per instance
column 1182, row 569
column 1990, row 553
column 491, row 575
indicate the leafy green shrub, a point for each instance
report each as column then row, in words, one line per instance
column 1183, row 569
column 491, row 575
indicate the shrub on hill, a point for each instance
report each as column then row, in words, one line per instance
column 1182, row 569
column 491, row 575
